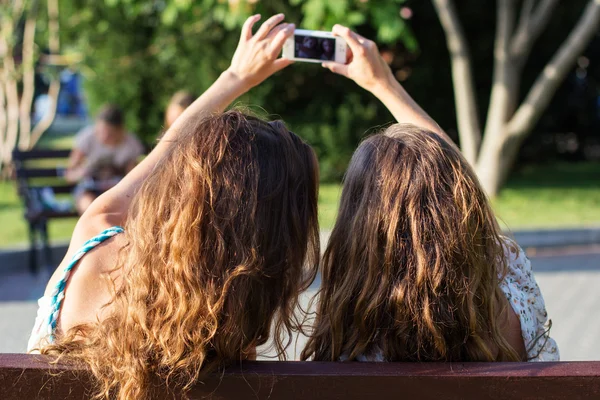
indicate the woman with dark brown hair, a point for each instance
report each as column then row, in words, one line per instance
column 416, row 268
column 219, row 237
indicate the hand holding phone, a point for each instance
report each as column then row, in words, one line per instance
column 365, row 65
column 315, row 47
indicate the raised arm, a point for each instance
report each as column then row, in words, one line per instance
column 255, row 59
column 367, row 68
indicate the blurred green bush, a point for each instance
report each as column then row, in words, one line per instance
column 137, row 53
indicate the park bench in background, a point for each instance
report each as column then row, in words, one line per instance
column 35, row 170
column 31, row 377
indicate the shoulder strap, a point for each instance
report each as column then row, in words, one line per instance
column 58, row 293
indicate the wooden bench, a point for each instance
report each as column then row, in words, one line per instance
column 28, row 175
column 32, row 377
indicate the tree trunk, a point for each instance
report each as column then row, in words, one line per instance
column 494, row 170
column 467, row 114
column 503, row 100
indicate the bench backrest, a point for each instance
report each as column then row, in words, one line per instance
column 37, row 169
column 25, row 171
column 31, row 377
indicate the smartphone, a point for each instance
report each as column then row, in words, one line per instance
column 315, row 46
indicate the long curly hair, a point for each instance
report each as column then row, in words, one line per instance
column 222, row 237
column 411, row 269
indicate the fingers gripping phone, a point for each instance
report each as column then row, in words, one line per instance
column 315, row 46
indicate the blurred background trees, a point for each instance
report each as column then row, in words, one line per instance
column 137, row 53
column 24, row 26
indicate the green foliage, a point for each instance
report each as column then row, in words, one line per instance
column 137, row 53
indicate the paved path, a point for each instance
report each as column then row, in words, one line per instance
column 569, row 279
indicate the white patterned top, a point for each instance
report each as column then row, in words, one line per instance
column 524, row 295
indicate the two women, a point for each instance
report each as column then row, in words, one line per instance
column 206, row 244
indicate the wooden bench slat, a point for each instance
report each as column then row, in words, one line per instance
column 57, row 189
column 25, row 173
column 40, row 153
column 59, row 214
column 28, row 376
column 46, row 215
column 61, row 189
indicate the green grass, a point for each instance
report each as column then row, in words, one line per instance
column 555, row 196
column 561, row 195
column 329, row 198
column 13, row 229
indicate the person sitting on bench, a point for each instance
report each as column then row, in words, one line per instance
column 204, row 247
column 102, row 155
column 417, row 268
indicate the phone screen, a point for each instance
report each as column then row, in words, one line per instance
column 314, row 48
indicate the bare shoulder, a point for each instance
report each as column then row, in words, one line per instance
column 90, row 285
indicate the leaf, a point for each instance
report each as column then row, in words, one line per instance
column 337, row 7
column 169, row 15
column 355, row 18
column 314, row 14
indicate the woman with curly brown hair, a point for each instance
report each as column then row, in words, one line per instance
column 416, row 268
column 219, row 237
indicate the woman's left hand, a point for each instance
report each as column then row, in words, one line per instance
column 256, row 57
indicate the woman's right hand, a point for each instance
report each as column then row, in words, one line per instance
column 256, row 57
column 365, row 65
column 367, row 68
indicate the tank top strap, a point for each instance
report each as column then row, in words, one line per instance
column 57, row 295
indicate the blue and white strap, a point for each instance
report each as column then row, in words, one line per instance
column 58, row 293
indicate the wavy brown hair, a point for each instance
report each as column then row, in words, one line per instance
column 222, row 237
column 412, row 266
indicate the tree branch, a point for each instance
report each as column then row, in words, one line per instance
column 505, row 22
column 2, row 123
column 28, row 76
column 48, row 117
column 8, row 79
column 527, row 34
column 53, row 29
column 525, row 16
column 501, row 98
column 53, row 91
column 554, row 73
column 18, row 7
column 467, row 114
